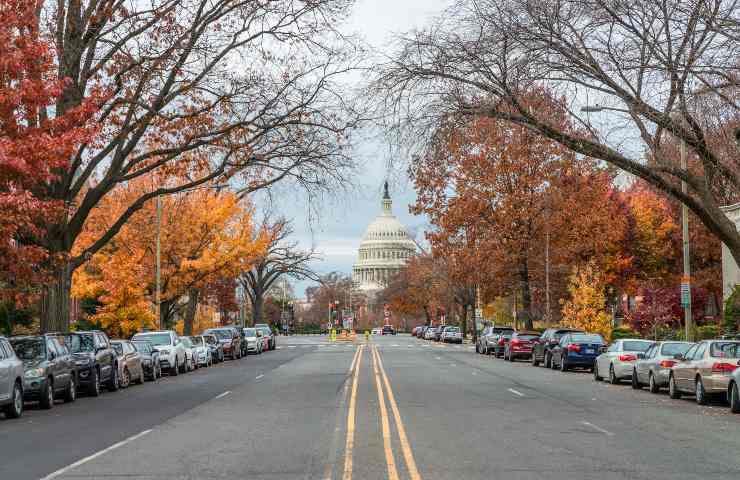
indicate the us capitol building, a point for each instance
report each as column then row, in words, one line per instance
column 384, row 250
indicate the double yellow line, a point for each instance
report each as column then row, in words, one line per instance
column 379, row 374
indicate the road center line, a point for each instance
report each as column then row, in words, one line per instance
column 258, row 377
column 384, row 421
column 598, row 429
column 78, row 463
column 405, row 445
column 515, row 392
column 222, row 395
column 351, row 419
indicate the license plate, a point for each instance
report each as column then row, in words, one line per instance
column 589, row 350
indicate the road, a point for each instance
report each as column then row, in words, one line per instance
column 396, row 408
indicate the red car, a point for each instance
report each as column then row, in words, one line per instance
column 520, row 345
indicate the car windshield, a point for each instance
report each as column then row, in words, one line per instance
column 197, row 341
column 636, row 346
column 155, row 338
column 186, row 341
column 726, row 349
column 250, row 332
column 142, row 347
column 586, row 339
column 453, row 329
column 29, row 348
column 79, row 343
column 222, row 334
column 210, row 339
column 527, row 336
column 266, row 330
column 118, row 348
column 670, row 349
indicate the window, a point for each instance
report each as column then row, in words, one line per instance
column 726, row 350
column 613, row 347
column 3, row 353
column 690, row 352
column 60, row 347
column 50, row 347
column 650, row 352
column 699, row 352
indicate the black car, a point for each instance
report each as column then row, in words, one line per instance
column 49, row 369
column 542, row 350
column 96, row 361
column 388, row 330
column 149, row 359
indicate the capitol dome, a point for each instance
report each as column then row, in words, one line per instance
column 384, row 249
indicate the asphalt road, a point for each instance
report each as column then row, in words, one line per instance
column 395, row 408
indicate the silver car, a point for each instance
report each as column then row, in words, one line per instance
column 619, row 359
column 705, row 369
column 201, row 351
column 11, row 381
column 654, row 366
column 171, row 350
column 254, row 340
column 733, row 391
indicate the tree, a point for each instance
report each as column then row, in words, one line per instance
column 33, row 147
column 332, row 287
column 190, row 92
column 281, row 258
column 586, row 309
column 665, row 72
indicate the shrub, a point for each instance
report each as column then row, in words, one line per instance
column 624, row 332
column 732, row 312
column 706, row 332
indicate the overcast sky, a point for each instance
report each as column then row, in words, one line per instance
column 338, row 231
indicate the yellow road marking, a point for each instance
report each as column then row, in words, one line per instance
column 351, row 419
column 392, row 471
column 405, row 446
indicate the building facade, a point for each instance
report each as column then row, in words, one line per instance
column 384, row 250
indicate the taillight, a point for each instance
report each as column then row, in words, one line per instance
column 667, row 363
column 516, row 341
column 627, row 358
column 501, row 341
column 723, row 367
column 573, row 347
column 554, row 342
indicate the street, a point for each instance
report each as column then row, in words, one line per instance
column 396, row 407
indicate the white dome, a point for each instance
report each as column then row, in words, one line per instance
column 385, row 229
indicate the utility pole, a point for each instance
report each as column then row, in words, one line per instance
column 686, row 282
column 158, row 273
column 547, row 274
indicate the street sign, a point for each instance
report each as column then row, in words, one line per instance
column 685, row 292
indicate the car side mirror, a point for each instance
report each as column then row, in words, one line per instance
column 678, row 356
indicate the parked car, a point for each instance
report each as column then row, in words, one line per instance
column 267, row 331
column 149, row 359
column 130, row 365
column 429, row 333
column 479, row 341
column 11, row 381
column 490, row 340
column 541, row 351
column 201, row 352
column 377, row 331
column 389, row 330
column 217, row 350
column 96, row 361
column 190, row 363
column 653, row 367
column 733, row 391
column 704, row 370
column 452, row 335
column 229, row 339
column 49, row 371
column 576, row 350
column 242, row 340
column 422, row 330
column 438, row 332
column 619, row 359
column 520, row 345
column 253, row 340
column 500, row 341
column 171, row 349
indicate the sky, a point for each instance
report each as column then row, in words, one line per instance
column 337, row 231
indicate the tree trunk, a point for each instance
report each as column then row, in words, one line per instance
column 257, row 307
column 55, row 301
column 165, row 313
column 193, row 296
column 427, row 315
column 464, row 321
column 526, row 312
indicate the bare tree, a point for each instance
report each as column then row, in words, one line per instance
column 214, row 90
column 638, row 78
column 282, row 258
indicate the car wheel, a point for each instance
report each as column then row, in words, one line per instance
column 733, row 396
column 126, row 380
column 563, row 365
column 548, row 360
column 115, row 382
column 511, row 356
column 635, row 383
column 701, row 393
column 47, row 395
column 652, row 385
column 15, row 408
column 673, row 389
column 71, row 394
column 94, row 390
column 613, row 376
column 175, row 371
column 553, row 365
column 597, row 377
column 535, row 362
column 477, row 348
column 141, row 376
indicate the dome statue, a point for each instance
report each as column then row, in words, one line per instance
column 384, row 249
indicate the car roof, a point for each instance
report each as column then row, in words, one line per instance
column 154, row 331
column 526, row 332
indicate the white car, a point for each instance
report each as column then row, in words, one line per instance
column 201, row 351
column 618, row 362
column 172, row 355
column 377, row 331
column 254, row 341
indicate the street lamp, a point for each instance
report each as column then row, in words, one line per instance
column 686, row 280
column 158, row 268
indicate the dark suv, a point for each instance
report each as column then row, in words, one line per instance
column 49, row 369
column 97, row 362
column 541, row 350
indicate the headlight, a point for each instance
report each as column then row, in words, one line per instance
column 34, row 372
column 82, row 361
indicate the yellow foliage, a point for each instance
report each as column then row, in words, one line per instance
column 586, row 308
